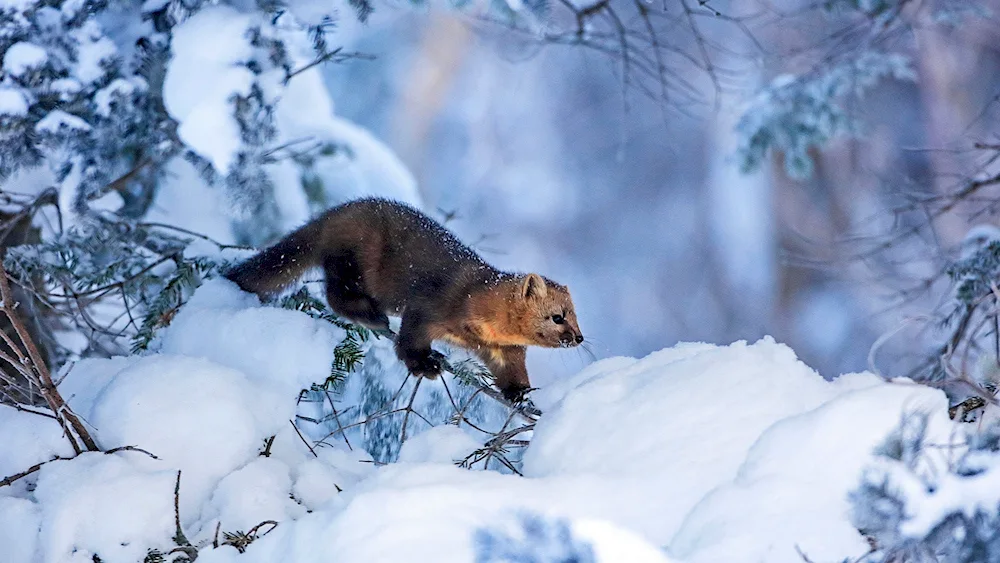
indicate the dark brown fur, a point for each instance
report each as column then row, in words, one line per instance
column 382, row 257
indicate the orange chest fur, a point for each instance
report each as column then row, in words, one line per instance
column 482, row 333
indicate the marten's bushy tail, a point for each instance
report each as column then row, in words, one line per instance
column 277, row 266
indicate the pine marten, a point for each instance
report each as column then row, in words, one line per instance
column 383, row 257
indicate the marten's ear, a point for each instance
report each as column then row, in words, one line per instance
column 533, row 287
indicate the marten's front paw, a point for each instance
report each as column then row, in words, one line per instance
column 516, row 394
column 424, row 363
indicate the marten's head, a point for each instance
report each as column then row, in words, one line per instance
column 546, row 309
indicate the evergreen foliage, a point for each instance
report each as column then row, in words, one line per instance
column 927, row 502
column 794, row 114
column 975, row 275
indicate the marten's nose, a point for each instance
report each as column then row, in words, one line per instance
column 579, row 338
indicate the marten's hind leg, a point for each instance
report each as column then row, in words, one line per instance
column 346, row 295
column 413, row 345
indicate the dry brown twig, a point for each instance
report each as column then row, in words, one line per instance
column 183, row 545
column 10, row 479
column 29, row 363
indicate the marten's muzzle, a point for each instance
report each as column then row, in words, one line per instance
column 569, row 339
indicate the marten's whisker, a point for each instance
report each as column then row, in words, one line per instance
column 591, row 343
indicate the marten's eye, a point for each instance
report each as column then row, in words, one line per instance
column 558, row 319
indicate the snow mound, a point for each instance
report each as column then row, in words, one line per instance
column 226, row 325
column 197, row 416
column 693, row 454
column 253, row 494
column 116, row 506
column 58, row 119
column 659, row 433
column 27, row 440
column 93, row 50
column 426, row 513
column 440, row 444
column 20, row 520
column 120, row 87
column 368, row 167
column 792, row 489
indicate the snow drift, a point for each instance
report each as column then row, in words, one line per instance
column 695, row 453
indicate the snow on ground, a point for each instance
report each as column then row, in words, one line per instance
column 695, row 453
column 117, row 505
column 26, row 442
column 429, row 513
column 664, row 430
column 225, row 325
column 792, row 487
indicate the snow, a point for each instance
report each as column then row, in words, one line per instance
column 153, row 5
column 22, row 57
column 185, row 200
column 254, row 493
column 431, row 512
column 204, row 73
column 81, row 382
column 440, row 444
column 316, row 484
column 207, row 433
column 693, row 454
column 977, row 238
column 104, row 96
column 602, row 427
column 311, row 12
column 17, row 6
column 94, row 50
column 931, row 501
column 57, row 119
column 792, row 488
column 66, row 87
column 27, row 441
column 20, row 520
column 222, row 324
column 116, row 505
column 368, row 167
column 13, row 102
column 208, row 68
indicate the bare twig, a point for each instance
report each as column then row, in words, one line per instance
column 336, row 417
column 303, row 438
column 131, row 449
column 409, row 409
column 183, row 545
column 34, row 365
column 6, row 481
column 267, row 447
column 12, row 478
column 337, row 56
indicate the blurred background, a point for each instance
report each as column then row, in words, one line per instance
column 694, row 170
column 534, row 153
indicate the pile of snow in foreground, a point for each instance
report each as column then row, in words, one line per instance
column 696, row 453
